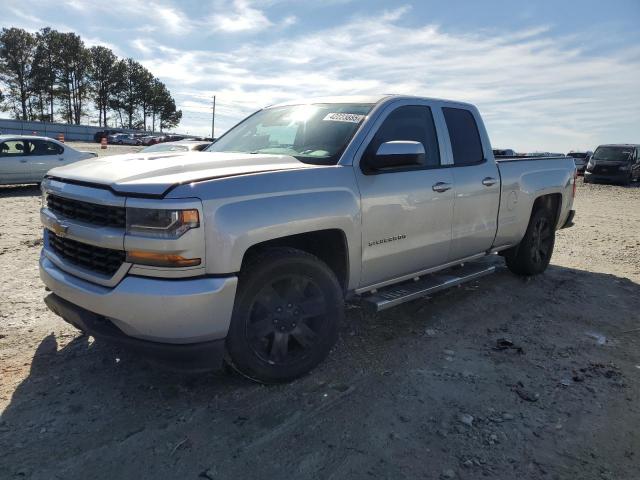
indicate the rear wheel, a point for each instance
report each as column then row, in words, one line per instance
column 286, row 316
column 533, row 254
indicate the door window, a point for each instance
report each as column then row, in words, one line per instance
column 43, row 147
column 464, row 136
column 411, row 122
column 12, row 148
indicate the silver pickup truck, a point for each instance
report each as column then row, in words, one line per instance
column 247, row 252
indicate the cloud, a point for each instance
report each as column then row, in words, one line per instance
column 537, row 88
column 242, row 18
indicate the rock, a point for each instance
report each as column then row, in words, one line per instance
column 468, row 463
column 449, row 353
column 430, row 332
column 209, row 473
column 448, row 474
column 507, row 416
column 565, row 382
column 466, row 419
column 525, row 394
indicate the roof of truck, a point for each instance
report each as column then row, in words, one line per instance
column 373, row 99
column 620, row 145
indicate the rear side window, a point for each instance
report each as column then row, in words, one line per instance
column 464, row 136
column 411, row 122
column 42, row 147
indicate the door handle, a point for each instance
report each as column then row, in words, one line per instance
column 441, row 187
column 489, row 181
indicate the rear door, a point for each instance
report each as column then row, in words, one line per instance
column 43, row 156
column 406, row 211
column 476, row 182
column 14, row 166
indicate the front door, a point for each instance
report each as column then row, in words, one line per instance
column 14, row 165
column 43, row 156
column 406, row 212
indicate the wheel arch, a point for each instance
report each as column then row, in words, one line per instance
column 329, row 245
column 551, row 202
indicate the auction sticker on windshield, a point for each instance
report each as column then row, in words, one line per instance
column 343, row 117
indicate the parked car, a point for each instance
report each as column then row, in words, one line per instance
column 150, row 139
column 543, row 154
column 27, row 158
column 126, row 139
column 183, row 146
column 247, row 251
column 580, row 159
column 614, row 163
column 504, row 152
column 98, row 136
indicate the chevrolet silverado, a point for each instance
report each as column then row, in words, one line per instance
column 246, row 252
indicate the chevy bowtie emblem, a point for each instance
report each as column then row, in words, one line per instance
column 60, row 229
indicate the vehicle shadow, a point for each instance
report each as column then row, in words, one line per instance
column 19, row 190
column 86, row 404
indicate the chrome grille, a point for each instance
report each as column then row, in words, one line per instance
column 102, row 215
column 97, row 259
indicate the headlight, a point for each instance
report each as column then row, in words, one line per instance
column 161, row 223
column 590, row 164
column 625, row 168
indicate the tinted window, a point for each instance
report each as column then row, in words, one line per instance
column 413, row 123
column 42, row 147
column 464, row 136
column 12, row 148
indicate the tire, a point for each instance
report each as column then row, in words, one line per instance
column 533, row 254
column 286, row 315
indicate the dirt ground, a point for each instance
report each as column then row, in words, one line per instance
column 416, row 392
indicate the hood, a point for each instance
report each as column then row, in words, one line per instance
column 155, row 173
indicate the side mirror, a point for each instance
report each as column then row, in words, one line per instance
column 398, row 153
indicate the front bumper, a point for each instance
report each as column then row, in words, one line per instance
column 200, row 356
column 616, row 176
column 172, row 311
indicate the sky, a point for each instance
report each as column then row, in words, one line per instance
column 546, row 75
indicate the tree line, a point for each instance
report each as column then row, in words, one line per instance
column 51, row 76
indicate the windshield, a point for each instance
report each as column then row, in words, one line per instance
column 160, row 147
column 577, row 155
column 615, row 154
column 315, row 133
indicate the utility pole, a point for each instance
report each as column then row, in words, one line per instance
column 213, row 117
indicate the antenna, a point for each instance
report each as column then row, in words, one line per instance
column 213, row 117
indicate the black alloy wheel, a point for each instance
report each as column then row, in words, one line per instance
column 286, row 314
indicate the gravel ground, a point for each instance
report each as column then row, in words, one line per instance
column 415, row 392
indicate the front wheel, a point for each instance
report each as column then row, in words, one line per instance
column 286, row 315
column 533, row 254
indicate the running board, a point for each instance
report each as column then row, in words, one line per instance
column 405, row 292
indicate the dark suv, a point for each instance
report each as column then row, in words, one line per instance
column 614, row 163
column 580, row 159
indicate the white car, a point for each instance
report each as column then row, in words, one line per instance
column 182, row 146
column 26, row 158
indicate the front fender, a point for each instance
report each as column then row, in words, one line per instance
column 277, row 205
